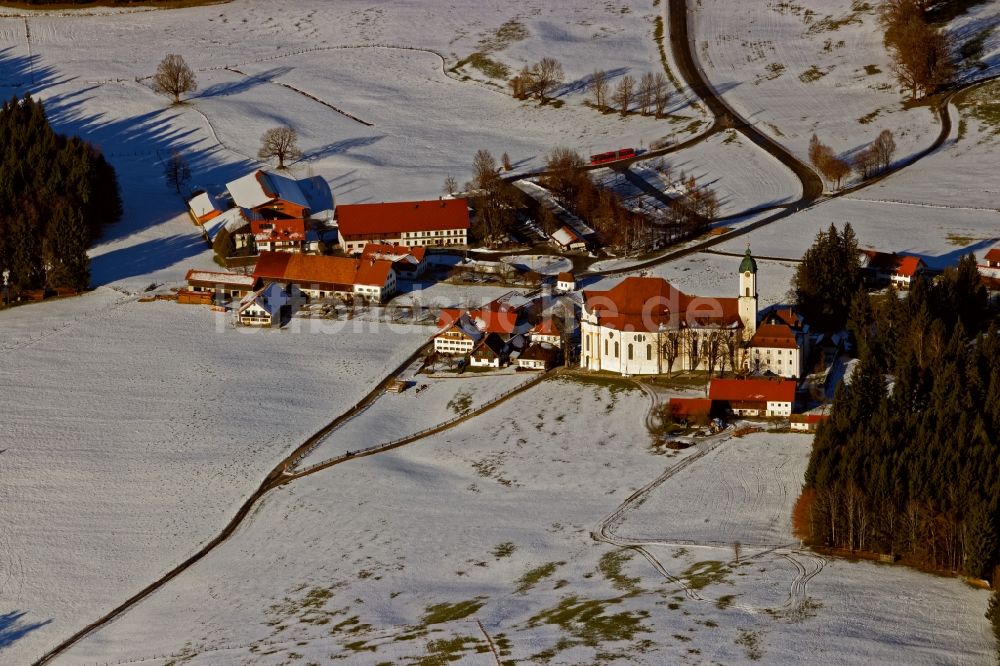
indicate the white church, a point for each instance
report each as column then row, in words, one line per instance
column 645, row 326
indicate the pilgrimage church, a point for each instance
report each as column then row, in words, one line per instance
column 645, row 326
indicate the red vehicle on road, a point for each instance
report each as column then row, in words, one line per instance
column 613, row 156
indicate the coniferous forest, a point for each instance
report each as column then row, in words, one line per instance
column 909, row 462
column 56, row 194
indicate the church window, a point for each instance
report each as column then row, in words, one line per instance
column 588, row 343
column 616, row 350
column 649, row 352
column 630, row 351
column 748, row 291
column 605, row 347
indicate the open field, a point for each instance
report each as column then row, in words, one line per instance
column 131, row 433
column 794, row 68
column 397, row 557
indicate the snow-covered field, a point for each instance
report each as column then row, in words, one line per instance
column 132, row 431
column 486, row 530
column 794, row 68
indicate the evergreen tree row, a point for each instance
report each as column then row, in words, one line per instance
column 909, row 462
column 56, row 193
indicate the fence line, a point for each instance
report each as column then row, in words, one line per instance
column 414, row 436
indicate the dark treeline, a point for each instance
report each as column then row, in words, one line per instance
column 56, row 193
column 912, row 468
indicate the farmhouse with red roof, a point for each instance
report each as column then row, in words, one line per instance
column 442, row 222
column 645, row 326
column 324, row 277
column 753, row 397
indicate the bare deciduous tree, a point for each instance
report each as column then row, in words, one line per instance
column 176, row 171
column 866, row 163
column 624, row 92
column 599, row 88
column 493, row 200
column 646, row 92
column 884, row 147
column 921, row 52
column 505, row 161
column 280, row 143
column 836, row 169
column 450, row 185
column 521, row 83
column 174, row 77
column 545, row 76
column 661, row 94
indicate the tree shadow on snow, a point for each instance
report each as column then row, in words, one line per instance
column 138, row 146
column 13, row 627
column 21, row 74
column 145, row 257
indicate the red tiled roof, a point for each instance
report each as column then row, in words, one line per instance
column 646, row 304
column 306, row 269
column 397, row 217
column 774, row 335
column 373, row 272
column 993, row 255
column 767, row 390
column 908, row 266
column 565, row 277
column 545, row 327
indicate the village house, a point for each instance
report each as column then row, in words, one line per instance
column 566, row 239
column 225, row 285
column 408, row 262
column 270, row 195
column 263, row 211
column 775, row 348
column 883, row 268
column 271, row 305
column 490, row 352
column 993, row 258
column 326, row 277
column 806, row 422
column 444, row 222
column 538, row 356
column 458, row 337
column 644, row 326
column 753, row 397
column 546, row 331
column 906, row 270
column 565, row 282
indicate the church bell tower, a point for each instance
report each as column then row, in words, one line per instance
column 748, row 293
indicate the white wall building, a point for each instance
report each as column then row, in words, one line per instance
column 644, row 326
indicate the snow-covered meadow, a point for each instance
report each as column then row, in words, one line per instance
column 794, row 68
column 486, row 531
column 132, row 432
